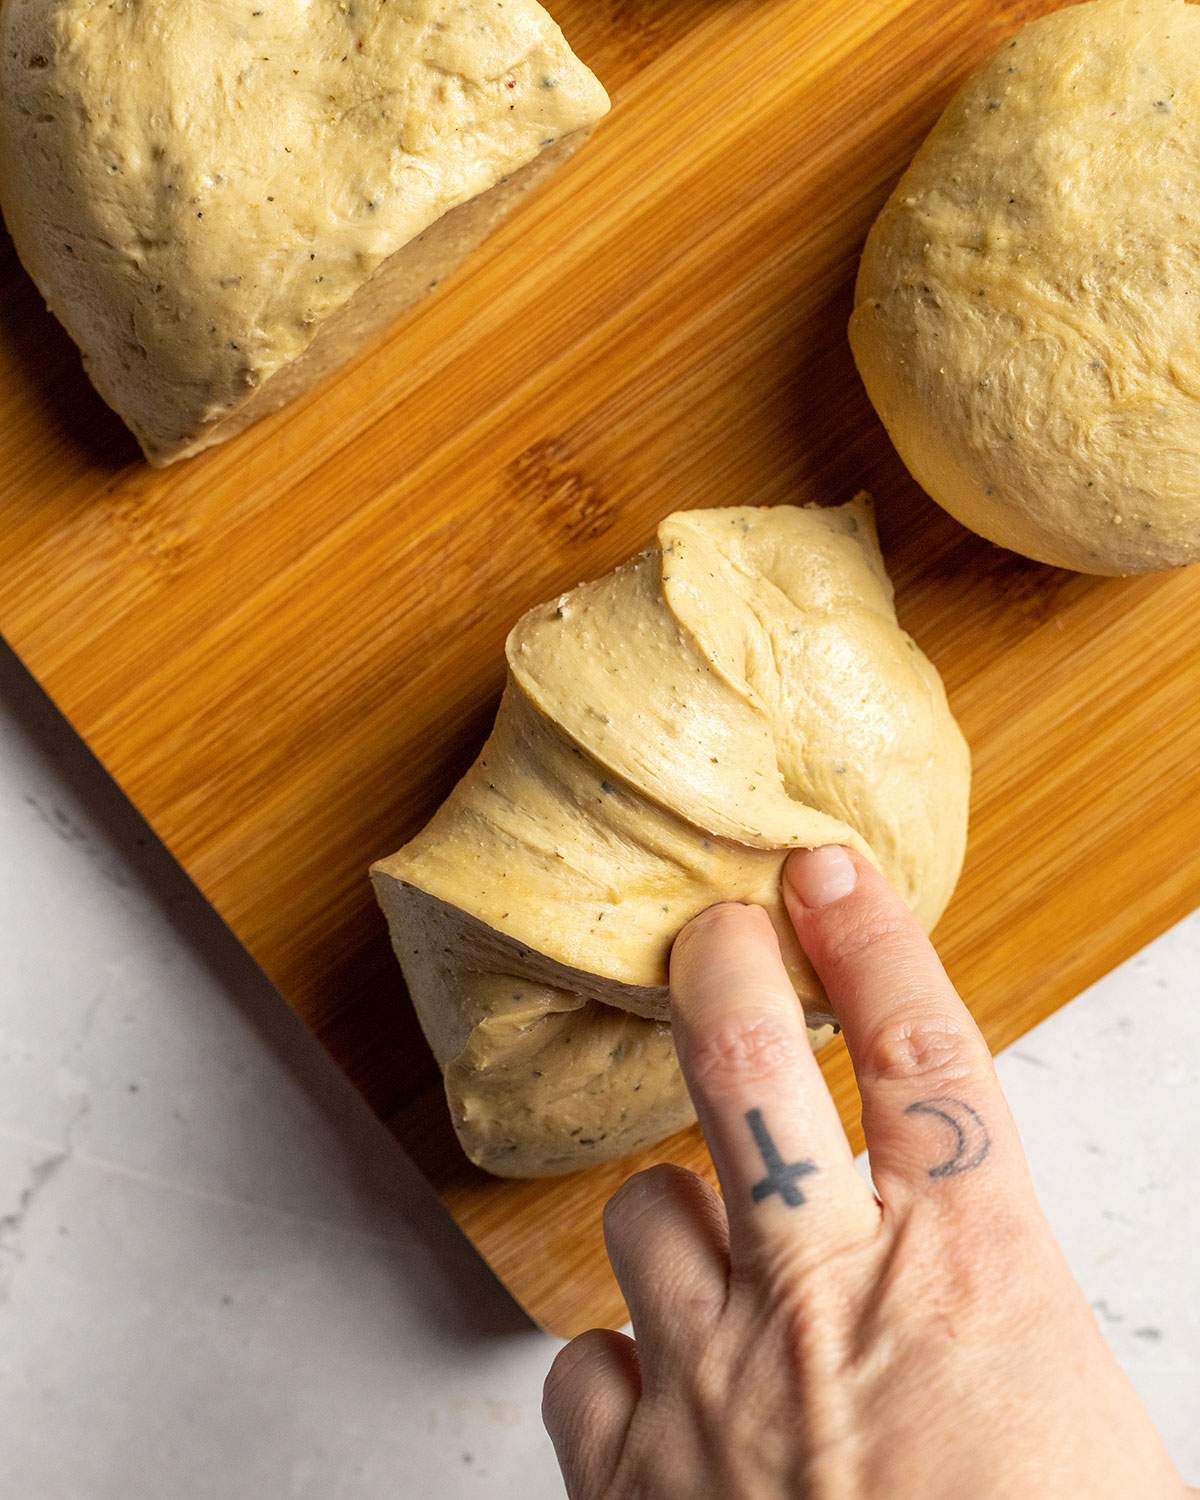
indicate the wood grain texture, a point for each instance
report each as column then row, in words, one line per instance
column 287, row 650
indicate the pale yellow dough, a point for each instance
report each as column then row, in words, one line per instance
column 222, row 200
column 667, row 733
column 1027, row 318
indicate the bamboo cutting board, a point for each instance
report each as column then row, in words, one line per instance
column 287, row 650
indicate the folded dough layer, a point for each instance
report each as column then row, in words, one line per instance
column 667, row 733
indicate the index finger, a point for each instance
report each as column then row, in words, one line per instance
column 784, row 1164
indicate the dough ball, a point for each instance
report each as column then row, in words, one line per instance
column 1027, row 315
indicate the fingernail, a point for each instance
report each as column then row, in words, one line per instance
column 819, row 877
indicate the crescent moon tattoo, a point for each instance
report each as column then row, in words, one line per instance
column 971, row 1140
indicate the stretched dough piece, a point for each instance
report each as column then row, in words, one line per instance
column 223, row 201
column 667, row 733
column 1025, row 320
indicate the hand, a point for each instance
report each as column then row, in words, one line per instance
column 805, row 1337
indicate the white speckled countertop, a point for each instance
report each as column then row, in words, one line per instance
column 220, row 1278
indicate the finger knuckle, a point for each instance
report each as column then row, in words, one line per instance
column 646, row 1190
column 569, row 1368
column 965, row 1260
column 743, row 1049
column 920, row 1045
column 707, row 1380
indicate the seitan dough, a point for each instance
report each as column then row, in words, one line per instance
column 666, row 734
column 1026, row 313
column 224, row 201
